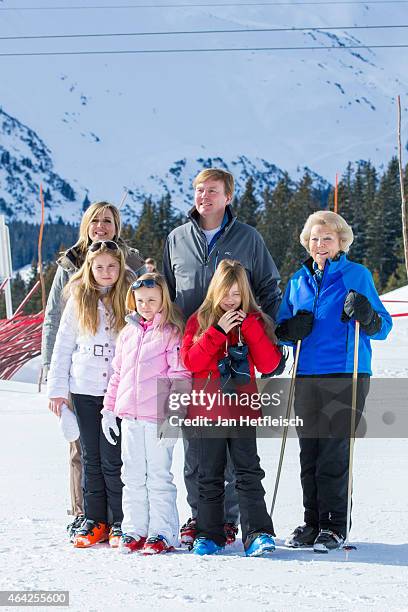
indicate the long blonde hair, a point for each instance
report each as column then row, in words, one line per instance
column 226, row 275
column 94, row 209
column 86, row 292
column 170, row 312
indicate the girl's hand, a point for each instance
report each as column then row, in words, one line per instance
column 242, row 314
column 230, row 319
column 55, row 404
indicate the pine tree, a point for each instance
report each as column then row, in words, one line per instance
column 145, row 237
column 358, row 216
column 85, row 203
column 273, row 223
column 385, row 229
column 247, row 207
column 399, row 277
column 302, row 204
column 344, row 195
column 166, row 218
column 363, row 209
column 128, row 234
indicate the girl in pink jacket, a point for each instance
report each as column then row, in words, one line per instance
column 147, row 368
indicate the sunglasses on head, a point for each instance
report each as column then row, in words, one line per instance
column 95, row 246
column 146, row 282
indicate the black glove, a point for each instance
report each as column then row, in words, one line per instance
column 281, row 365
column 358, row 307
column 296, row 328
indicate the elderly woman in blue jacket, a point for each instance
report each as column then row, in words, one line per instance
column 322, row 302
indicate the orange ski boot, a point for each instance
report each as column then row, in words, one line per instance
column 115, row 533
column 90, row 533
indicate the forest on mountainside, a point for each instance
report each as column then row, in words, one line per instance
column 368, row 198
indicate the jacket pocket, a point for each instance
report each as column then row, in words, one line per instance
column 173, row 358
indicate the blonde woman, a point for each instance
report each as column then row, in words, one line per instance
column 229, row 313
column 147, row 367
column 101, row 221
column 81, row 367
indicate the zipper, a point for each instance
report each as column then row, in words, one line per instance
column 207, row 381
column 317, row 287
column 137, row 358
column 204, row 267
column 226, row 382
column 216, row 261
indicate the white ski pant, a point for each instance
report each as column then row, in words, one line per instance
column 149, row 497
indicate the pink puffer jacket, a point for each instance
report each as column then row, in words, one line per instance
column 147, row 367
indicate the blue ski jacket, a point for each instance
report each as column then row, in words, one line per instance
column 329, row 348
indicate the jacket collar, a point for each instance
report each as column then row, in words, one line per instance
column 331, row 266
column 229, row 217
column 135, row 319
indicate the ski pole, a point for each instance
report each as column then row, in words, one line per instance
column 286, row 427
column 347, row 546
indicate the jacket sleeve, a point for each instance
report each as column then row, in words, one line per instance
column 134, row 260
column 265, row 354
column 265, row 279
column 365, row 285
column 285, row 311
column 65, row 343
column 180, row 377
column 52, row 317
column 109, row 400
column 176, row 368
column 168, row 271
column 200, row 355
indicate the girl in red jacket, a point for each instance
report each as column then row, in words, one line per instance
column 229, row 314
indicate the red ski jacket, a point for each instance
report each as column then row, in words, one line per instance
column 201, row 358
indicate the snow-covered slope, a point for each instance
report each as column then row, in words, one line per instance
column 36, row 555
column 115, row 121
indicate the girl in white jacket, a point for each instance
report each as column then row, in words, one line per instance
column 81, row 366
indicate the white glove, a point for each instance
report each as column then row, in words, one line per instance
column 69, row 424
column 168, row 435
column 109, row 423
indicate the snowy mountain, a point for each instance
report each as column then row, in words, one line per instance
column 122, row 120
column 25, row 162
column 177, row 181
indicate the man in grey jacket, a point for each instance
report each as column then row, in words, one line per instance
column 191, row 255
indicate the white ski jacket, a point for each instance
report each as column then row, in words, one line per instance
column 81, row 363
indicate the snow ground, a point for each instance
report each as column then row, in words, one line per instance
column 36, row 554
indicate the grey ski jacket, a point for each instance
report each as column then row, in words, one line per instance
column 68, row 264
column 188, row 266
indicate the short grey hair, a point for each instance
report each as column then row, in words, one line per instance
column 334, row 221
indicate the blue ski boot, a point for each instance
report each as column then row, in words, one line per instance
column 262, row 544
column 204, row 546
